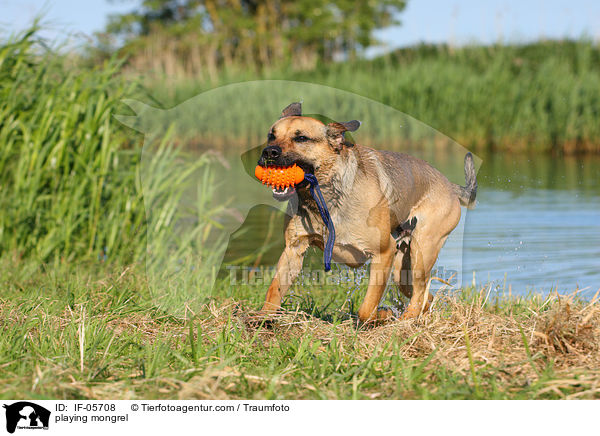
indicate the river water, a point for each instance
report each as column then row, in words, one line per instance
column 536, row 224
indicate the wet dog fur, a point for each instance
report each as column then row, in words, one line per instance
column 371, row 196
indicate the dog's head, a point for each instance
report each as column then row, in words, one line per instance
column 304, row 141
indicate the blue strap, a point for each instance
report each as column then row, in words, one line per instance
column 314, row 188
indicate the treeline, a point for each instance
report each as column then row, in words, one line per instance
column 541, row 96
column 201, row 37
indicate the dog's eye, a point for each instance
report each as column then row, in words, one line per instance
column 271, row 137
column 301, row 138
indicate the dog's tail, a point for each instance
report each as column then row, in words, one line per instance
column 466, row 194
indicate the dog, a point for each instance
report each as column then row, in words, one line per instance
column 387, row 207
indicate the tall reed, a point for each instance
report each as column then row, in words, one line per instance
column 539, row 97
column 69, row 171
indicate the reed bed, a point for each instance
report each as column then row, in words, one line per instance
column 541, row 97
column 69, row 170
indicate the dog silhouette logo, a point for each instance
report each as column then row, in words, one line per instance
column 207, row 214
column 26, row 415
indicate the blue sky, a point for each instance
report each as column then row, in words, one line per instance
column 453, row 21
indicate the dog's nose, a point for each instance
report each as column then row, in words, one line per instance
column 271, row 152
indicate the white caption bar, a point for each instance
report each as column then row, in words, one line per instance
column 24, row 417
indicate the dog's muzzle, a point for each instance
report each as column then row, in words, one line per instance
column 269, row 157
column 273, row 156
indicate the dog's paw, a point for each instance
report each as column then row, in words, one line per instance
column 416, row 309
column 410, row 313
column 383, row 315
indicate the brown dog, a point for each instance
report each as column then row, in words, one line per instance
column 371, row 195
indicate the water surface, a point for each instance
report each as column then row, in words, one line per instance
column 537, row 221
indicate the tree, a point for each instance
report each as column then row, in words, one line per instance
column 205, row 35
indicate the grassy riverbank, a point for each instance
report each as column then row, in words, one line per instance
column 93, row 332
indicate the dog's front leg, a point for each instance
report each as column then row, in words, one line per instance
column 379, row 273
column 288, row 267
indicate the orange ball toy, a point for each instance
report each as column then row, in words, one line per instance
column 279, row 177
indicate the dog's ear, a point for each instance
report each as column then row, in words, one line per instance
column 335, row 133
column 292, row 110
column 351, row 126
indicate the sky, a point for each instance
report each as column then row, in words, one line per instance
column 456, row 22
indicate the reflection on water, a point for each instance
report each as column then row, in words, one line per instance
column 536, row 225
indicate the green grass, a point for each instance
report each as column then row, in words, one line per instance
column 94, row 332
column 70, row 183
column 67, row 175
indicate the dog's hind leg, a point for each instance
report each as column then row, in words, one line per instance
column 288, row 268
column 423, row 259
column 425, row 245
column 379, row 273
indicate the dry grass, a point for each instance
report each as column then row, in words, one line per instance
column 104, row 339
column 558, row 329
